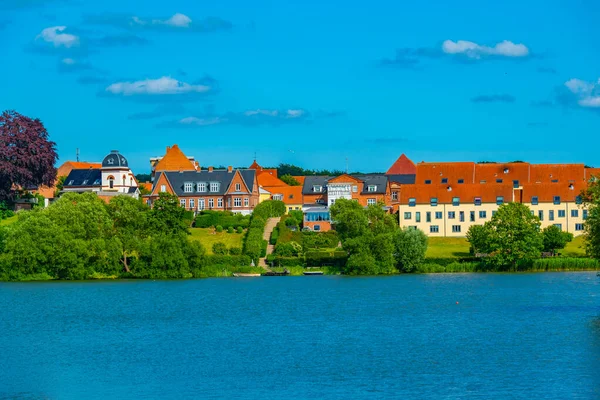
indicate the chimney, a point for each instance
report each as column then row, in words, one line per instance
column 210, row 169
column 230, row 169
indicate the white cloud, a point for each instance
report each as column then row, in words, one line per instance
column 68, row 61
column 53, row 35
column 178, row 20
column 588, row 93
column 163, row 85
column 201, row 121
column 476, row 51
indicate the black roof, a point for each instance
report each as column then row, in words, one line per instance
column 223, row 177
column 114, row 160
column 84, row 177
column 378, row 180
column 405, row 179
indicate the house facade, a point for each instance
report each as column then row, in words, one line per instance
column 113, row 178
column 212, row 189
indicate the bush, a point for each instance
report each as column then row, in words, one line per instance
column 290, row 249
column 263, row 249
column 228, row 261
column 278, row 261
column 219, row 248
column 219, row 228
column 565, row 264
column 320, row 258
column 230, row 229
column 235, row 251
column 269, row 209
column 253, row 243
column 240, row 229
column 429, row 268
column 320, row 240
column 274, row 236
column 209, row 218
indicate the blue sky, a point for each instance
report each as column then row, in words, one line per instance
column 308, row 82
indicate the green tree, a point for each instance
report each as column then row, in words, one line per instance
column 514, row 235
column 350, row 218
column 592, row 224
column 167, row 215
column 477, row 236
column 290, row 180
column 60, row 183
column 219, row 248
column 410, row 246
column 555, row 238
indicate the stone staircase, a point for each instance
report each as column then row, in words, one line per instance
column 271, row 224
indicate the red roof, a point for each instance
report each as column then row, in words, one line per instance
column 465, row 192
column 266, row 178
column 290, row 194
column 452, row 171
column 255, row 166
column 545, row 192
column 548, row 173
column 507, row 172
column 402, row 166
column 174, row 160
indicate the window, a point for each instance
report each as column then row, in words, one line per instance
column 355, row 190
column 211, row 203
column 371, row 202
column 412, row 202
column 461, row 216
column 472, row 216
column 238, row 187
column 541, row 215
column 316, row 228
column 461, row 181
column 214, row 187
column 498, row 180
column 477, row 201
column 559, row 226
column 554, row 181
column 201, row 187
column 574, row 213
column 556, row 200
column 584, row 214
column 182, row 202
column 417, row 216
column 428, row 181
column 428, row 217
column 534, row 201
column 434, row 229
column 70, row 182
column 516, row 184
column 111, row 183
column 220, row 202
column 578, row 227
column 278, row 197
column 246, row 202
column 433, row 202
column 456, row 201
column 551, row 215
column 192, row 205
column 439, row 215
column 561, row 213
column 395, row 196
column 500, row 200
column 97, row 182
column 372, row 188
column 578, row 200
column 229, row 202
column 187, row 187
column 163, row 188
column 317, row 188
column 456, row 228
column 237, row 202
column 407, row 215
column 482, row 214
column 451, row 215
column 85, row 182
column 444, row 180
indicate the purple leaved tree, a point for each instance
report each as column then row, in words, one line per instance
column 27, row 157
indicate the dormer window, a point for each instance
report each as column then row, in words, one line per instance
column 71, row 182
column 372, row 188
column 428, row 181
column 556, row 200
column 461, row 181
column 498, row 180
column 433, row 202
column 500, row 200
column 317, row 188
column 412, row 202
column 477, row 201
column 278, row 197
column 506, row 170
column 85, row 182
column 578, row 200
column 456, row 201
column 201, row 186
column 214, row 187
column 534, row 201
column 188, row 187
column 97, row 182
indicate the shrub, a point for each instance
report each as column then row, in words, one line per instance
column 290, row 249
column 278, row 261
column 253, row 243
column 228, row 261
column 240, row 229
column 320, row 258
column 230, row 229
column 320, row 240
column 411, row 245
column 429, row 268
column 274, row 236
column 565, row 264
column 235, row 251
column 263, row 249
column 269, row 209
column 219, row 228
column 219, row 248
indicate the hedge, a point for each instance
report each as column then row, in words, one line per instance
column 319, row 258
column 226, row 219
column 253, row 244
column 320, row 240
column 285, row 261
column 228, row 260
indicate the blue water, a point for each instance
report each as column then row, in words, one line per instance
column 457, row 336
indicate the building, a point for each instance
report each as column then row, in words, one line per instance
column 63, row 171
column 447, row 198
column 321, row 192
column 173, row 160
column 273, row 188
column 211, row 189
column 112, row 178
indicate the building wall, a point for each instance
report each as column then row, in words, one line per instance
column 324, row 226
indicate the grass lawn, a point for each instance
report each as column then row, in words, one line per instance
column 441, row 247
column 8, row 221
column 574, row 249
column 206, row 237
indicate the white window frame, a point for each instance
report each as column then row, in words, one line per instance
column 192, row 203
column 211, row 203
column 371, row 188
column 163, row 188
column 354, row 188
column 201, row 187
column 371, row 202
column 201, row 204
column 220, row 202
column 395, row 196
column 182, row 202
column 278, row 197
column 317, row 188
column 237, row 202
column 214, row 187
column 188, row 187
column 246, row 202
column 238, row 187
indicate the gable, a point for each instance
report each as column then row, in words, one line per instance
column 162, row 180
column 345, row 178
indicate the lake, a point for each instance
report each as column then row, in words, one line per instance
column 440, row 336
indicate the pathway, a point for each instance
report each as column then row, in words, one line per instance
column 271, row 224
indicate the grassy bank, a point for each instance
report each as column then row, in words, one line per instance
column 8, row 221
column 208, row 237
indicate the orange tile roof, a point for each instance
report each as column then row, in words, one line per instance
column 508, row 172
column 590, row 172
column 66, row 168
column 545, row 192
column 546, row 173
column 145, row 185
column 291, row 194
column 174, row 160
column 266, row 178
column 403, row 165
column 466, row 192
column 300, row 179
column 453, row 171
column 255, row 166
